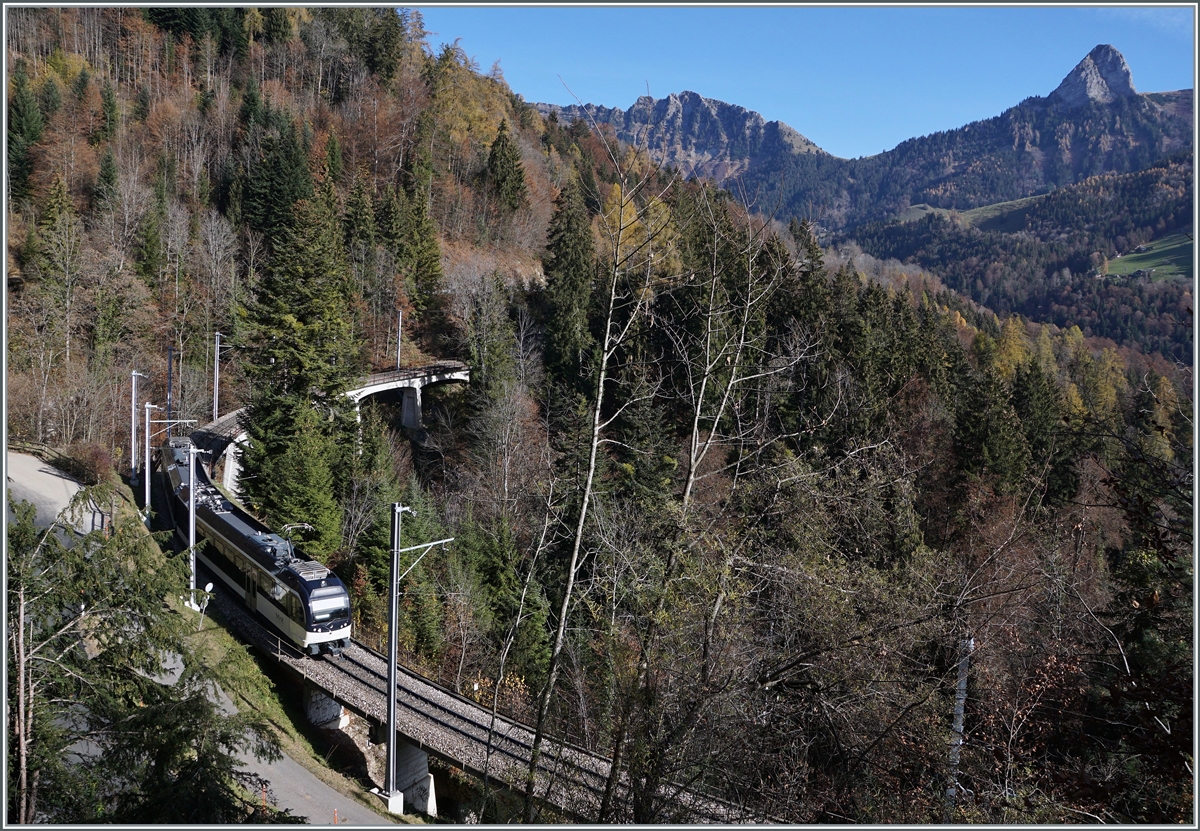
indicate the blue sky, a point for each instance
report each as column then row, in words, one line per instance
column 856, row 80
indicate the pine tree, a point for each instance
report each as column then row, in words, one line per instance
column 106, row 181
column 303, row 328
column 569, row 269
column 505, row 172
column 25, row 127
column 420, row 257
column 333, row 158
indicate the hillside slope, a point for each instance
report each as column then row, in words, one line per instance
column 1094, row 122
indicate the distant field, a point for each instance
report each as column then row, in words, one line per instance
column 1006, row 217
column 1169, row 256
column 914, row 212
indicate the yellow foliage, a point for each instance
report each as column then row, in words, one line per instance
column 67, row 67
column 467, row 106
column 1043, row 352
column 1012, row 349
column 1074, row 403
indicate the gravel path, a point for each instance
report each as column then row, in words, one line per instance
column 49, row 489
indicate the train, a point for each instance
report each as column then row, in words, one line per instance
column 303, row 600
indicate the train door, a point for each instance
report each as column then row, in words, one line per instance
column 251, row 588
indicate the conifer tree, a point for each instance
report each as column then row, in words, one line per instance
column 106, row 181
column 360, row 214
column 988, row 436
column 1040, row 407
column 300, row 488
column 421, row 255
column 333, row 158
column 302, row 327
column 505, row 172
column 276, row 183
column 391, row 215
column 49, row 98
column 25, row 127
column 569, row 269
column 107, row 128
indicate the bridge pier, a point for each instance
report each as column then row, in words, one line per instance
column 323, row 711
column 410, row 408
column 233, row 465
column 413, row 779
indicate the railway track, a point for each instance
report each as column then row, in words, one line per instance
column 506, row 745
column 458, row 730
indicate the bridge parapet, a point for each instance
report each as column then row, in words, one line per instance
column 215, row 438
column 410, row 381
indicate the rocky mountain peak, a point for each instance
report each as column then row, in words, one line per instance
column 698, row 136
column 1103, row 76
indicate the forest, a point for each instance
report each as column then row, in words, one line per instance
column 728, row 508
column 1032, row 148
column 1049, row 261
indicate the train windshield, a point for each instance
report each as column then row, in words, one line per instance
column 332, row 608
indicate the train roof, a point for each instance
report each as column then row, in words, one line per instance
column 274, row 553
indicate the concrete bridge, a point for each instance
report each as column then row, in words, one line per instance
column 217, row 437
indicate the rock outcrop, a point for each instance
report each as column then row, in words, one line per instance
column 698, row 136
column 1103, row 77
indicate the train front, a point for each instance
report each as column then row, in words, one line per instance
column 327, row 607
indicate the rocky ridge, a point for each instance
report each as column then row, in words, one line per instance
column 698, row 136
column 1103, row 77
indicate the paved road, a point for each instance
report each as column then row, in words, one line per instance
column 32, row 480
column 292, row 786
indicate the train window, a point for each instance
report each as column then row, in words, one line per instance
column 295, row 608
column 330, row 609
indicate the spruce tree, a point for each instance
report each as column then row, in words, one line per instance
column 1042, row 411
column 276, row 183
column 505, row 172
column 25, row 127
column 106, row 181
column 569, row 269
column 49, row 97
column 421, row 255
column 333, row 158
column 300, row 488
column 391, row 218
column 107, row 128
column 302, row 328
column 988, row 437
column 359, row 217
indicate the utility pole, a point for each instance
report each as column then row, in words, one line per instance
column 217, row 371
column 216, row 374
column 133, row 397
column 170, row 363
column 192, row 453
column 394, row 799
column 399, row 321
column 146, row 495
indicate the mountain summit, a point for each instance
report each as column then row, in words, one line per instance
column 697, row 135
column 1103, row 76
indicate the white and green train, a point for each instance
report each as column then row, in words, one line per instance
column 302, row 599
